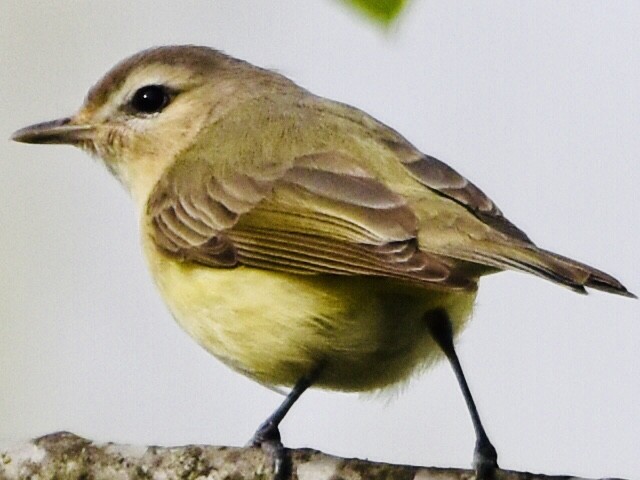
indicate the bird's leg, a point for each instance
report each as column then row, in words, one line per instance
column 485, row 458
column 267, row 436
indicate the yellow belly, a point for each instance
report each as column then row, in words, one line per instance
column 365, row 333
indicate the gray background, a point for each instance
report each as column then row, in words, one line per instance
column 537, row 102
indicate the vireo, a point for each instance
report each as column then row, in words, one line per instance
column 297, row 239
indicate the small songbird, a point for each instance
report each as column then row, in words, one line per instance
column 297, row 239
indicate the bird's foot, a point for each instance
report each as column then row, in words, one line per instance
column 485, row 461
column 267, row 437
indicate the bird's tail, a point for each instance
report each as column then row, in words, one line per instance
column 545, row 264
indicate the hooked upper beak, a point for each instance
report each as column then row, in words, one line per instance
column 61, row 131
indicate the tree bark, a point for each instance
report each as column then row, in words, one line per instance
column 65, row 456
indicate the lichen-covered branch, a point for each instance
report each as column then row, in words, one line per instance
column 65, row 456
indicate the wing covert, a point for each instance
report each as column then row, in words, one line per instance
column 444, row 180
column 324, row 214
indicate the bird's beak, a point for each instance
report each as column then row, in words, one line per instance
column 62, row 131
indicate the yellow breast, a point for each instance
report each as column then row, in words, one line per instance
column 365, row 333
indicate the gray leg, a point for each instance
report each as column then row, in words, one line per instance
column 485, row 458
column 268, row 435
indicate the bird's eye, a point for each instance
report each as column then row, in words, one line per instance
column 150, row 99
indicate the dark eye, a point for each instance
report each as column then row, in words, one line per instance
column 150, row 99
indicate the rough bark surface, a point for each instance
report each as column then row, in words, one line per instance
column 65, row 456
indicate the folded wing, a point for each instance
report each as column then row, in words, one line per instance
column 323, row 214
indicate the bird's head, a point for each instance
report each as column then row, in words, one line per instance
column 150, row 107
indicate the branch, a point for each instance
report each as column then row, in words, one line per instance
column 66, row 456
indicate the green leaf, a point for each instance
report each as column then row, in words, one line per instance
column 383, row 11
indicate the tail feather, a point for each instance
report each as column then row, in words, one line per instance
column 548, row 265
column 596, row 279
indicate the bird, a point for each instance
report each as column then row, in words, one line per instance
column 299, row 240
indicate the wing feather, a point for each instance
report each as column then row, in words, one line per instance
column 302, row 193
column 323, row 215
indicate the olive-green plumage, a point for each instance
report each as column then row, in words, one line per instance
column 289, row 233
column 297, row 239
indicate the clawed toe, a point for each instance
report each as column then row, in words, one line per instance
column 485, row 461
column 267, row 437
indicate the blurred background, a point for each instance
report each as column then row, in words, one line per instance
column 538, row 103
